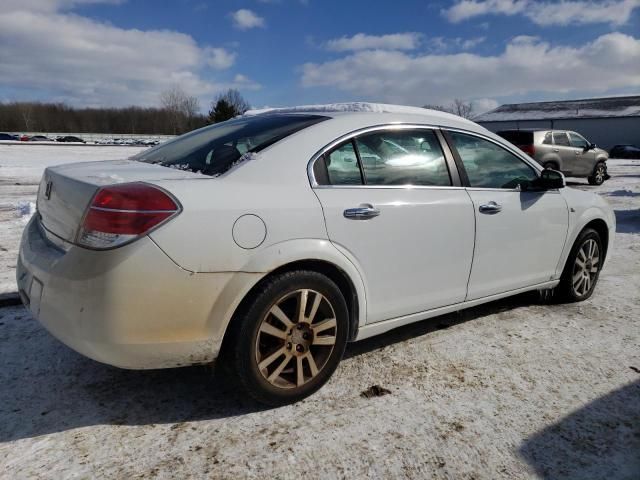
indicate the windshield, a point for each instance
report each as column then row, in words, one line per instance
column 215, row 149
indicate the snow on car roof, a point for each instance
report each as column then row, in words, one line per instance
column 356, row 107
column 342, row 107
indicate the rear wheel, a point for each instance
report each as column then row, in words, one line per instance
column 582, row 269
column 290, row 339
column 550, row 166
column 599, row 174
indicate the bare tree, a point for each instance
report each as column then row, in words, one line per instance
column 26, row 111
column 462, row 109
column 457, row 107
column 180, row 106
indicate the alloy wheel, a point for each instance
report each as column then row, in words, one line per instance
column 296, row 338
column 600, row 173
column 585, row 267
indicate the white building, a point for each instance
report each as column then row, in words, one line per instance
column 604, row 121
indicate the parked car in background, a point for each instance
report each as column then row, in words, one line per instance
column 39, row 138
column 24, row 138
column 566, row 151
column 271, row 259
column 70, row 138
column 8, row 136
column 624, row 151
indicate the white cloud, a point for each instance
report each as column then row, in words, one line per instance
column 219, row 58
column 361, row 41
column 443, row 44
column 482, row 105
column 245, row 83
column 245, row 19
column 526, row 65
column 544, row 13
column 49, row 53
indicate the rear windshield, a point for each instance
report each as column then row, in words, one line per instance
column 518, row 137
column 213, row 150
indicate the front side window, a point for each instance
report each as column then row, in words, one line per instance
column 214, row 150
column 547, row 139
column 561, row 139
column 490, row 166
column 402, row 157
column 577, row 141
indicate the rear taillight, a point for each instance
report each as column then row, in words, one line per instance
column 119, row 214
column 528, row 149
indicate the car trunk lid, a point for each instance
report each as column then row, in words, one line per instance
column 66, row 190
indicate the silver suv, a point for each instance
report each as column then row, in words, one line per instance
column 562, row 150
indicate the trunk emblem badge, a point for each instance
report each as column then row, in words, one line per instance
column 47, row 190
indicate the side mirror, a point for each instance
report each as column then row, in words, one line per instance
column 592, row 146
column 551, row 179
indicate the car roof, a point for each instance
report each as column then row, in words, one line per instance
column 382, row 112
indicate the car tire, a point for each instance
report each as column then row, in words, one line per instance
column 279, row 356
column 550, row 166
column 582, row 270
column 599, row 174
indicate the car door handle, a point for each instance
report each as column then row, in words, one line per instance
column 556, row 150
column 490, row 208
column 363, row 212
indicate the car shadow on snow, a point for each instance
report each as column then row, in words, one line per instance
column 622, row 193
column 48, row 388
column 599, row 441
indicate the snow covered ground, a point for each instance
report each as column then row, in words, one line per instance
column 512, row 389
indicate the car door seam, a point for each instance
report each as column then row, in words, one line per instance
column 473, row 251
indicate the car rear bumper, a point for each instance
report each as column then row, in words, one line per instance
column 130, row 307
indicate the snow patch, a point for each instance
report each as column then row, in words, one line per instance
column 247, row 157
column 344, row 107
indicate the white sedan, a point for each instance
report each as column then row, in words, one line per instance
column 254, row 241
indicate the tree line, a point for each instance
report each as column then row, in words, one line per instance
column 177, row 113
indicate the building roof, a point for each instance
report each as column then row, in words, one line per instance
column 587, row 108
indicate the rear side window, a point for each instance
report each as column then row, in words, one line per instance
column 403, row 157
column 517, row 137
column 490, row 166
column 213, row 150
column 560, row 138
column 342, row 166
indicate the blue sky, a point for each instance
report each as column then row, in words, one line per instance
column 286, row 52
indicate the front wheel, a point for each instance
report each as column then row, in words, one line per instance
column 582, row 269
column 290, row 339
column 599, row 174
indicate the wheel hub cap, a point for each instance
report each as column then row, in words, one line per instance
column 299, row 339
column 296, row 338
column 585, row 268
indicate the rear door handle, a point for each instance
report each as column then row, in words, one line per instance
column 490, row 208
column 363, row 212
column 556, row 150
